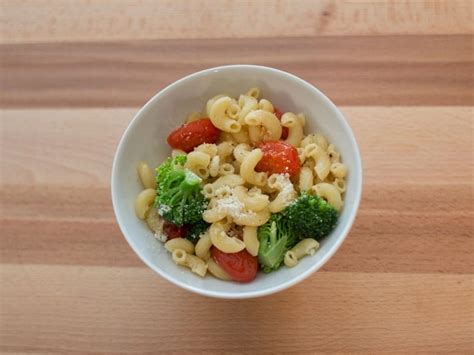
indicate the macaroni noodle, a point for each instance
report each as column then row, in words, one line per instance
column 144, row 201
column 203, row 246
column 330, row 193
column 295, row 128
column 198, row 266
column 247, row 169
column 251, row 241
column 270, row 123
column 222, row 241
column 180, row 243
column 146, row 175
column 219, row 116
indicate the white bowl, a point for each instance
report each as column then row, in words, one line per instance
column 145, row 139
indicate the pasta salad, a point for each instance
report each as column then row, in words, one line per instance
column 244, row 189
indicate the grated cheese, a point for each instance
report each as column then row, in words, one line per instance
column 287, row 190
column 230, row 205
column 161, row 236
column 157, row 227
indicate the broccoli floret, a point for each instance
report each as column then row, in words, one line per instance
column 311, row 217
column 275, row 239
column 195, row 230
column 179, row 197
column 308, row 217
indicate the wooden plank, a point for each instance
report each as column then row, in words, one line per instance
column 410, row 70
column 414, row 216
column 76, row 147
column 82, row 20
column 381, row 240
column 46, row 308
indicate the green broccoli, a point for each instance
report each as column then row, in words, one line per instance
column 311, row 217
column 275, row 239
column 307, row 217
column 195, row 230
column 179, row 197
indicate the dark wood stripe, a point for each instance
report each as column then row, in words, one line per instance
column 390, row 70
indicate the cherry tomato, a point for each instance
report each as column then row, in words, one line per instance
column 279, row 158
column 284, row 131
column 241, row 266
column 173, row 231
column 192, row 134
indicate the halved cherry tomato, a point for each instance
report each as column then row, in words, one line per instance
column 173, row 231
column 279, row 158
column 284, row 131
column 192, row 134
column 241, row 266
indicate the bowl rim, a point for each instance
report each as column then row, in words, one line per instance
column 288, row 283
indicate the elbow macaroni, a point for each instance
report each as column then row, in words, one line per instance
column 197, row 265
column 306, row 179
column 295, row 128
column 307, row 246
column 338, row 170
column 321, row 158
column 252, row 200
column 247, row 169
column 198, row 162
column 253, row 219
column 254, row 92
column 144, row 201
column 219, row 115
column 247, row 104
column 203, row 247
column 268, row 121
column 330, row 193
column 222, row 241
column 266, row 105
column 179, row 243
column 239, row 198
column 146, row 175
column 250, row 239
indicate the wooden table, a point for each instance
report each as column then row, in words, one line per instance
column 74, row 73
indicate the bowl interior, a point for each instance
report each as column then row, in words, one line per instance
column 145, row 139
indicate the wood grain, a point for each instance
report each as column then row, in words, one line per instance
column 51, row 308
column 72, row 75
column 421, row 145
column 397, row 70
column 83, row 20
column 57, row 200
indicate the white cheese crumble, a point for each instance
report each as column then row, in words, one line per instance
column 161, row 236
column 287, row 190
column 230, row 205
column 156, row 224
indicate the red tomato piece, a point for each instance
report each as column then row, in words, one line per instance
column 284, row 131
column 192, row 134
column 241, row 266
column 279, row 158
column 173, row 231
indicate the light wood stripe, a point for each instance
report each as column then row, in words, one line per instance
column 83, row 20
column 134, row 309
column 76, row 147
column 367, row 71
